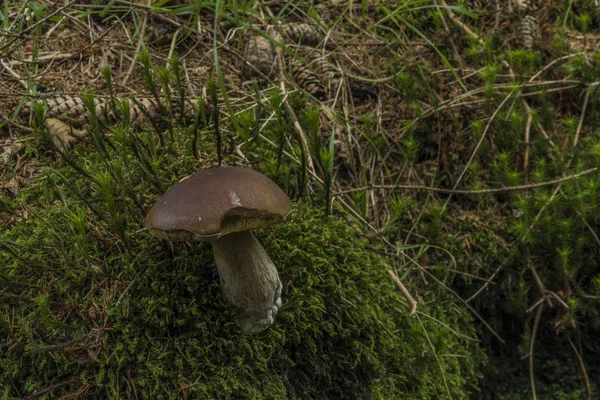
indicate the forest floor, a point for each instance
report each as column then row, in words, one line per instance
column 461, row 139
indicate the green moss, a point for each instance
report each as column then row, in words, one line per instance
column 485, row 247
column 342, row 332
column 87, row 294
column 557, row 373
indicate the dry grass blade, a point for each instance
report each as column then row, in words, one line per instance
column 432, row 347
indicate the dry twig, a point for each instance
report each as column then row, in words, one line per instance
column 411, row 301
column 531, row 347
column 52, row 388
column 436, row 356
column 583, row 369
column 474, row 191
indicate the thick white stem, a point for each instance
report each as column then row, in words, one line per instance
column 249, row 279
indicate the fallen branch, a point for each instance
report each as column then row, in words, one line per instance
column 474, row 191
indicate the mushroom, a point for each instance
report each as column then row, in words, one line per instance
column 222, row 205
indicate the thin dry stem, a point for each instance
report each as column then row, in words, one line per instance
column 487, row 282
column 583, row 369
column 474, row 191
column 442, row 284
column 52, row 388
column 527, row 135
column 575, row 141
column 531, row 348
column 138, row 47
column 435, row 355
column 583, row 110
column 290, row 111
column 411, row 301
column 483, row 136
column 13, row 73
column 462, row 25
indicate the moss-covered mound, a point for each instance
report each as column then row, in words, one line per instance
column 91, row 304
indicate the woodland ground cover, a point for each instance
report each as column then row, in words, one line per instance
column 459, row 142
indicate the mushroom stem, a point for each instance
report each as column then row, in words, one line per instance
column 249, row 279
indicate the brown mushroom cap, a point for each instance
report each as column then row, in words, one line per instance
column 215, row 202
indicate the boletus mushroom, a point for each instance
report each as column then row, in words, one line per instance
column 222, row 205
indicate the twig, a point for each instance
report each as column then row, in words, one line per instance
column 60, row 58
column 449, row 35
column 537, row 303
column 14, row 74
column 539, row 214
column 20, row 14
column 536, row 324
column 457, row 101
column 125, row 292
column 288, row 108
column 487, row 282
column 538, row 280
column 7, row 51
column 527, row 134
column 80, row 392
column 575, row 140
column 580, row 125
column 411, row 301
column 551, row 63
column 539, row 126
column 483, row 136
column 172, row 47
column 529, row 117
column 592, row 231
column 352, row 211
column 479, row 317
column 557, row 297
column 457, row 334
column 40, row 393
column 45, row 58
column 583, row 370
column 461, row 25
column 474, row 191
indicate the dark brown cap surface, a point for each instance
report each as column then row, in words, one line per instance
column 215, row 202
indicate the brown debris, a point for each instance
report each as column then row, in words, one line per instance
column 303, row 33
column 304, row 77
column 64, row 112
column 8, row 149
column 260, row 58
column 39, row 393
column 65, row 106
column 62, row 134
column 12, row 186
column 82, row 355
column 72, row 108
